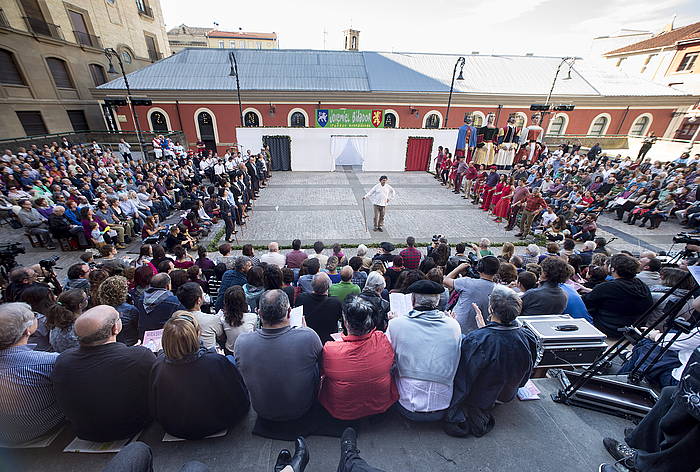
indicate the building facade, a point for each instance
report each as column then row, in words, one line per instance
column 670, row 57
column 285, row 88
column 241, row 40
column 184, row 36
column 52, row 59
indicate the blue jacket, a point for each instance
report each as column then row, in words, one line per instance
column 230, row 278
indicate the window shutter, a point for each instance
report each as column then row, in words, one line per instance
column 59, row 72
column 9, row 73
column 32, row 122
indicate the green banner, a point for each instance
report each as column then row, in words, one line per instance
column 349, row 118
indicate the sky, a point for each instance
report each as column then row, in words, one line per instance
column 541, row 27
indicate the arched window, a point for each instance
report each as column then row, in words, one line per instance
column 251, row 120
column 158, row 122
column 640, row 126
column 9, row 71
column 478, row 119
column 389, row 120
column 432, row 121
column 59, row 72
column 558, row 125
column 298, row 120
column 599, row 126
column 99, row 76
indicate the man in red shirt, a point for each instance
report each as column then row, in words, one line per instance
column 533, row 205
column 411, row 255
column 356, row 372
column 519, row 196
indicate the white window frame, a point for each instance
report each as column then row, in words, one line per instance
column 646, row 128
column 480, row 115
column 395, row 113
column 425, row 119
column 213, row 122
column 165, row 114
column 254, row 110
column 563, row 128
column 221, row 44
column 294, row 110
column 604, row 131
column 232, row 44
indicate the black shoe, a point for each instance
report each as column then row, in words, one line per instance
column 283, row 460
column 380, row 229
column 301, row 455
column 618, row 450
column 348, row 443
column 518, row 235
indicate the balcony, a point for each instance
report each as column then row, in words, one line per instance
column 86, row 39
column 40, row 27
column 144, row 10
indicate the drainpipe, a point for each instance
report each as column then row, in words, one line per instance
column 627, row 110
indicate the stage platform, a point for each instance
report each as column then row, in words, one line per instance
column 328, row 206
column 537, row 435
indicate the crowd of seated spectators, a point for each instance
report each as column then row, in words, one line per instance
column 563, row 193
column 88, row 196
column 448, row 360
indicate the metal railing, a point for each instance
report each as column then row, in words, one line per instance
column 106, row 139
column 87, row 39
column 144, row 10
column 40, row 27
column 4, row 23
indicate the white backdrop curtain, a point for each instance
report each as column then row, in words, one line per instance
column 348, row 150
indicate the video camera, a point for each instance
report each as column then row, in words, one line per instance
column 685, row 238
column 49, row 263
column 8, row 253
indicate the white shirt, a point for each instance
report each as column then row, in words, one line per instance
column 423, row 395
column 684, row 346
column 273, row 258
column 210, row 328
column 381, row 194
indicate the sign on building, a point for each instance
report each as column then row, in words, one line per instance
column 349, row 118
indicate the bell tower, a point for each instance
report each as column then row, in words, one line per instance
column 352, row 40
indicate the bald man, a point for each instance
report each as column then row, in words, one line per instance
column 273, row 255
column 345, row 287
column 321, row 312
column 102, row 385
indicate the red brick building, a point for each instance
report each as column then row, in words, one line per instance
column 193, row 91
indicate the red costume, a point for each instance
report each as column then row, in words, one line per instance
column 502, row 208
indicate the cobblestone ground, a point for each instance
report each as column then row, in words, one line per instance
column 328, row 206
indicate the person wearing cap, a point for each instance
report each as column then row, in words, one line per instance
column 385, row 253
column 380, row 195
column 426, row 343
column 496, row 360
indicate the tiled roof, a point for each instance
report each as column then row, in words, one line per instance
column 366, row 71
column 662, row 40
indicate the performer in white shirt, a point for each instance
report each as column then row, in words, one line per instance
column 380, row 195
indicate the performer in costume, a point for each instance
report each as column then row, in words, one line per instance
column 508, row 137
column 466, row 139
column 487, row 138
column 531, row 138
column 502, row 208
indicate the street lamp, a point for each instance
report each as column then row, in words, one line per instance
column 110, row 53
column 460, row 62
column 234, row 73
column 564, row 60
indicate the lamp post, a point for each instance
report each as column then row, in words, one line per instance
column 234, row 73
column 110, row 53
column 460, row 62
column 564, row 60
